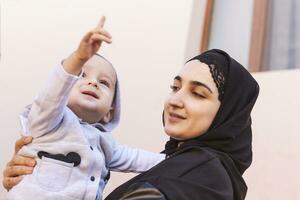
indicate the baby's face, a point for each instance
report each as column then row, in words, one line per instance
column 91, row 97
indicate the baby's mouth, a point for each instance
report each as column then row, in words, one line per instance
column 91, row 93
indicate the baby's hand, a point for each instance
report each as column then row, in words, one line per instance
column 92, row 41
column 89, row 45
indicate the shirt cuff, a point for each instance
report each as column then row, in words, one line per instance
column 63, row 71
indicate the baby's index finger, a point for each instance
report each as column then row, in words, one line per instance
column 101, row 22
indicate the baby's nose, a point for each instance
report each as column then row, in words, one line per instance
column 93, row 83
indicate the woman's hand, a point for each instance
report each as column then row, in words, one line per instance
column 18, row 165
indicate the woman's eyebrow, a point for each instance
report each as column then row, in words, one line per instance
column 178, row 78
column 197, row 83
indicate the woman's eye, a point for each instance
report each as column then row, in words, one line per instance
column 196, row 94
column 174, row 88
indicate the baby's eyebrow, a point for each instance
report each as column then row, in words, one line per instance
column 105, row 77
column 109, row 79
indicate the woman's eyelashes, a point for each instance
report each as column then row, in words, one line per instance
column 192, row 91
column 174, row 88
column 198, row 95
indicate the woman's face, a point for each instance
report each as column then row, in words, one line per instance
column 193, row 103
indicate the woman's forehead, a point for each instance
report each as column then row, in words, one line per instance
column 195, row 71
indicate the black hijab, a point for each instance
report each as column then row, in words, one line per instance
column 230, row 134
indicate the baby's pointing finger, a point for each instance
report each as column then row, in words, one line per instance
column 102, row 32
column 101, row 22
column 100, row 38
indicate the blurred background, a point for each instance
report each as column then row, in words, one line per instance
column 151, row 42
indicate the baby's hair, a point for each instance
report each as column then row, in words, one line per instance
column 105, row 59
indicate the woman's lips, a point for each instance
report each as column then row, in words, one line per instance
column 173, row 117
column 91, row 93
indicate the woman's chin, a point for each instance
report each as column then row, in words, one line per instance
column 173, row 133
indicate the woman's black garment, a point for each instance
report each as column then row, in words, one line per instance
column 210, row 167
column 191, row 173
column 143, row 190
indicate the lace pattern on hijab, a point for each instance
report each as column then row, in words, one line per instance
column 219, row 79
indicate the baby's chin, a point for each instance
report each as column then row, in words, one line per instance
column 87, row 113
column 88, row 104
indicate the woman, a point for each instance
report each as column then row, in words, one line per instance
column 207, row 116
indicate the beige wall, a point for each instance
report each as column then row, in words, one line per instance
column 275, row 172
column 151, row 40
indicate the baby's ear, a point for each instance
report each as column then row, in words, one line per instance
column 109, row 115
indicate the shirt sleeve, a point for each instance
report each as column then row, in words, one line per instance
column 47, row 109
column 128, row 159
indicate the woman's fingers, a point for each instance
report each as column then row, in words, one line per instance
column 21, row 142
column 9, row 182
column 22, row 160
column 17, row 170
column 18, row 166
column 12, row 175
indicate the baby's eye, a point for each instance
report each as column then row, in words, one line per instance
column 174, row 88
column 104, row 82
column 83, row 75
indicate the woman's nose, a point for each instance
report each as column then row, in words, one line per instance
column 176, row 100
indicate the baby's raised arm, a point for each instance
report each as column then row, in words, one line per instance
column 47, row 110
column 88, row 47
